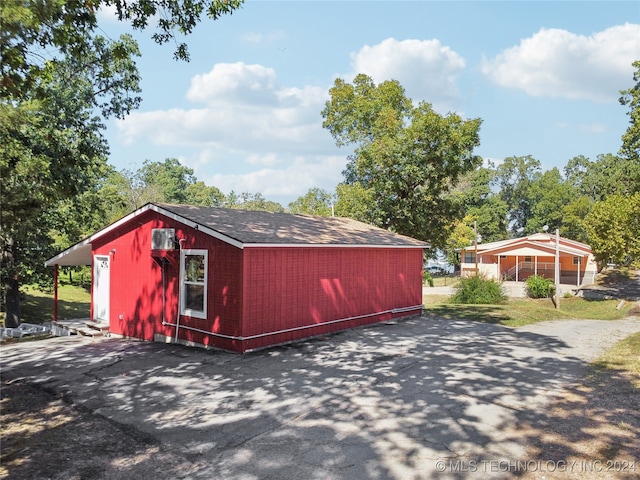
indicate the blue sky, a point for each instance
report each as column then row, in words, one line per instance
column 244, row 114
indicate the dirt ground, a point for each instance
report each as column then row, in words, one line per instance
column 46, row 437
column 592, row 432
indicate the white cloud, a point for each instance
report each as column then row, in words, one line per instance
column 260, row 38
column 246, row 123
column 236, row 83
column 107, row 13
column 593, row 128
column 558, row 63
column 425, row 68
column 291, row 181
column 244, row 110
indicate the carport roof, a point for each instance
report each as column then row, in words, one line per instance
column 245, row 228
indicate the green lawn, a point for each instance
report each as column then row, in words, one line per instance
column 623, row 356
column 37, row 306
column 518, row 312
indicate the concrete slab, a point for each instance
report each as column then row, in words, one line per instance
column 409, row 400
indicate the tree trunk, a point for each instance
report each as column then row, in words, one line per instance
column 12, row 303
column 11, row 286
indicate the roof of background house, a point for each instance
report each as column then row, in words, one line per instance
column 543, row 241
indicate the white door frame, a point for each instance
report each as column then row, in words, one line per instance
column 101, row 287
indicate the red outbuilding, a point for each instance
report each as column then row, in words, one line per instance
column 244, row 280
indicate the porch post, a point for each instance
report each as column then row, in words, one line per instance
column 517, row 268
column 579, row 259
column 55, row 292
column 535, row 265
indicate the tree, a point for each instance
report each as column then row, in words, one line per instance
column 481, row 204
column 52, row 149
column 612, row 227
column 252, row 201
column 35, row 32
column 315, row 202
column 491, row 218
column 461, row 236
column 354, row 201
column 607, row 175
column 573, row 215
column 169, row 181
column 631, row 138
column 548, row 195
column 59, row 80
column 514, row 178
column 202, row 195
column 406, row 157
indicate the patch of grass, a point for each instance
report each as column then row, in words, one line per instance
column 443, row 281
column 518, row 312
column 623, row 356
column 37, row 306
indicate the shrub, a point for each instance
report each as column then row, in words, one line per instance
column 427, row 278
column 478, row 290
column 539, row 287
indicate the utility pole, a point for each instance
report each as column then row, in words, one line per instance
column 557, row 272
column 475, row 242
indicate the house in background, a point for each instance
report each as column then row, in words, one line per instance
column 243, row 280
column 519, row 258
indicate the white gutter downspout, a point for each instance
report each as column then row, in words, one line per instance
column 177, row 324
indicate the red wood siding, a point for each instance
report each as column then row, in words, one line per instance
column 287, row 288
column 136, row 283
column 255, row 291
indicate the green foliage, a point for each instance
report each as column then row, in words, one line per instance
column 59, row 80
column 406, row 158
column 478, row 290
column 354, row 201
column 461, row 236
column 612, row 227
column 36, row 32
column 607, row 175
column 169, row 179
column 202, row 195
column 573, row 215
column 514, row 178
column 427, row 278
column 539, row 287
column 252, row 201
column 548, row 195
column 631, row 138
column 315, row 202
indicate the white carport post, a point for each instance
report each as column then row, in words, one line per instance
column 578, row 281
column 55, row 292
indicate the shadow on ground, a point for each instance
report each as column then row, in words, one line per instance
column 419, row 398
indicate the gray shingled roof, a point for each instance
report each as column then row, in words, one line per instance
column 252, row 227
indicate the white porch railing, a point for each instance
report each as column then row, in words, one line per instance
column 536, row 267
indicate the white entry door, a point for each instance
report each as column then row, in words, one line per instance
column 101, row 280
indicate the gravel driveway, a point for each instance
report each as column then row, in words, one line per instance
column 420, row 398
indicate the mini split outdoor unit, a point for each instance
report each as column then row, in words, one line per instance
column 163, row 238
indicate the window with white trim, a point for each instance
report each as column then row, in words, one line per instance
column 469, row 257
column 193, row 283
